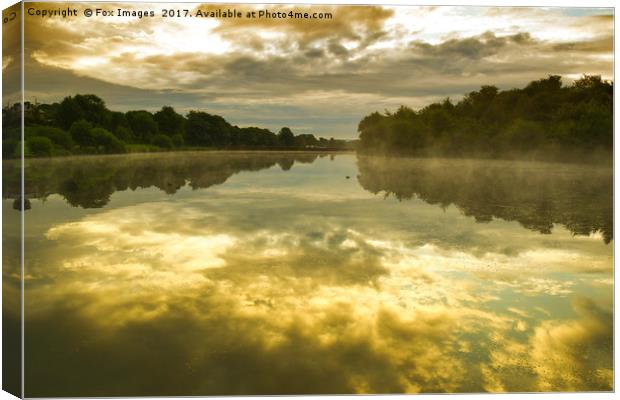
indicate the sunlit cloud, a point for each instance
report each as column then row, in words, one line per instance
column 365, row 57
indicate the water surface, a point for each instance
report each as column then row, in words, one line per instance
column 291, row 273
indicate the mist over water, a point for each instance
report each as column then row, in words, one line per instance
column 294, row 273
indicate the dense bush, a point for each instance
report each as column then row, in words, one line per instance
column 39, row 146
column 81, row 132
column 58, row 136
column 106, row 142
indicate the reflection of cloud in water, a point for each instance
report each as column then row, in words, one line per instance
column 187, row 250
column 575, row 354
column 217, row 306
column 560, row 355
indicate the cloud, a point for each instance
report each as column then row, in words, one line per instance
column 357, row 23
column 368, row 56
column 599, row 45
column 478, row 47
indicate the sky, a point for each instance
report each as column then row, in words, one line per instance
column 315, row 76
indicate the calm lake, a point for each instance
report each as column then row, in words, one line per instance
column 290, row 273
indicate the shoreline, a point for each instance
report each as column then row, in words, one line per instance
column 188, row 151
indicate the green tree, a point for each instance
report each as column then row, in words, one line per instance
column 306, row 140
column 117, row 120
column 81, row 132
column 143, row 125
column 68, row 112
column 93, row 109
column 286, row 138
column 124, row 134
column 204, row 129
column 198, row 129
column 88, row 107
column 169, row 121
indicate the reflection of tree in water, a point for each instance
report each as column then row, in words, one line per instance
column 89, row 182
column 537, row 195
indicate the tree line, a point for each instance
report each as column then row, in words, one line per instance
column 545, row 119
column 82, row 124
